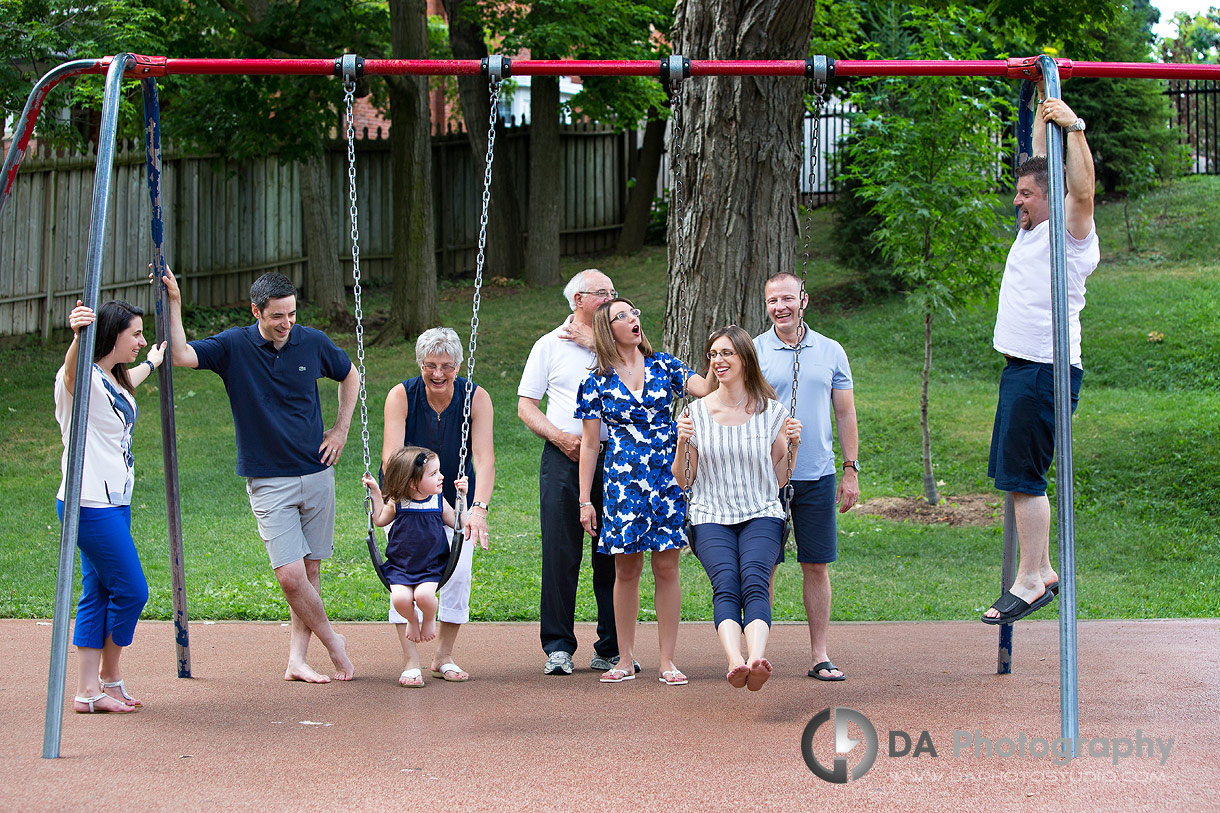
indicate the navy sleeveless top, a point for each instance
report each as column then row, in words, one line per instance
column 440, row 432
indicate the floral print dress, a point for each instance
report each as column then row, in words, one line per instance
column 644, row 509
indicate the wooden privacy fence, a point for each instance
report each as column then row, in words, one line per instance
column 226, row 222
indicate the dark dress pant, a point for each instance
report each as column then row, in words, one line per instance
column 563, row 541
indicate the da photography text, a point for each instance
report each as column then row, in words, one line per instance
column 862, row 746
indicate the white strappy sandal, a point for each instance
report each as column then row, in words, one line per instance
column 131, row 701
column 89, row 701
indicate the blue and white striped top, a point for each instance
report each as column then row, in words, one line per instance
column 735, row 480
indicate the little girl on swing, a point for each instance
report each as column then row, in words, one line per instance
column 418, row 542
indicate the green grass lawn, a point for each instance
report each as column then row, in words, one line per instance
column 1145, row 432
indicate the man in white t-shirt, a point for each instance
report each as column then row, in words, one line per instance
column 557, row 364
column 1023, row 440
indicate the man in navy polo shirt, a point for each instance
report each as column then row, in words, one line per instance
column 270, row 370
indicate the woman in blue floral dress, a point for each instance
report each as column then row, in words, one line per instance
column 632, row 389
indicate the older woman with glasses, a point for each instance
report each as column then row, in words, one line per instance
column 733, row 456
column 428, row 410
column 631, row 389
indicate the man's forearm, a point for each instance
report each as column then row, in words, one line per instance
column 349, row 394
column 535, row 420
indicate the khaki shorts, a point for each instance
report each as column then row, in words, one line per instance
column 296, row 515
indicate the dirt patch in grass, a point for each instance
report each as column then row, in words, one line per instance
column 965, row 509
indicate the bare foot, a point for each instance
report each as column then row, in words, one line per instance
column 738, row 675
column 428, row 631
column 760, row 670
column 103, row 703
column 304, row 673
column 413, row 633
column 343, row 665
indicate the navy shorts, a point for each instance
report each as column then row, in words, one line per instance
column 1023, row 439
column 814, row 520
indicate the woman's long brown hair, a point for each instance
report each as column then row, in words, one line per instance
column 604, row 346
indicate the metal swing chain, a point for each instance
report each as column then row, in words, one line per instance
column 349, row 96
column 819, row 96
column 495, row 82
column 675, row 212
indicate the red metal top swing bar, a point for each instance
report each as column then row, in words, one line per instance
column 818, row 67
column 1013, row 68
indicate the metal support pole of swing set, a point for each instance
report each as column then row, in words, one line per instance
column 1064, row 475
column 56, row 677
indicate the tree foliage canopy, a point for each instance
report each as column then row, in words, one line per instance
column 37, row 35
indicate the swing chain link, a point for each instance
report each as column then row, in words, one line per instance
column 677, row 204
column 676, row 211
column 819, row 97
column 349, row 96
column 494, row 85
column 818, row 90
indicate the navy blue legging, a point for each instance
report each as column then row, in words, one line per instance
column 113, row 587
column 738, row 560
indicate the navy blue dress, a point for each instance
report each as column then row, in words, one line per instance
column 644, row 508
column 418, row 543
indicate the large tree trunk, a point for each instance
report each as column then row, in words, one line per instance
column 546, row 183
column 413, row 308
column 505, row 255
column 740, row 163
column 639, row 202
column 929, row 479
column 323, row 274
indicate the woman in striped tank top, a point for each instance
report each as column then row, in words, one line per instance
column 733, row 457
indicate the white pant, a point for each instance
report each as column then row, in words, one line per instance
column 454, row 596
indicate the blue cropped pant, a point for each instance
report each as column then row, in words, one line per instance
column 738, row 559
column 114, row 589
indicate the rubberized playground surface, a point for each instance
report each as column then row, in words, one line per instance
column 236, row 736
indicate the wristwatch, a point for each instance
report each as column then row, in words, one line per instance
column 586, row 504
column 483, row 505
column 852, row 464
column 1078, row 127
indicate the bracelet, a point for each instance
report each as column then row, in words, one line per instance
column 586, row 504
column 152, row 368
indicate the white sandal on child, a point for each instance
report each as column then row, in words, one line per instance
column 118, row 684
column 89, row 701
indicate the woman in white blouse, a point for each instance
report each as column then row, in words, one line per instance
column 113, row 588
column 733, row 457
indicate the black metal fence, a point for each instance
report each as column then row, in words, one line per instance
column 1196, row 112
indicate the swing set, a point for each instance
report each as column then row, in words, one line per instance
column 671, row 71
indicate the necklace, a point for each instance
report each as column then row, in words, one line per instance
column 720, row 398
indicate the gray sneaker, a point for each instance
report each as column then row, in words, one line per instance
column 600, row 664
column 558, row 663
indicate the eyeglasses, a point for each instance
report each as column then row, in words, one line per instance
column 624, row 314
column 721, row 354
column 448, row 367
column 601, row 293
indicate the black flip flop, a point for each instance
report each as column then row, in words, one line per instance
column 1013, row 609
column 828, row 667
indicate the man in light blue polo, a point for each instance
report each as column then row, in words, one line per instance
column 824, row 386
column 270, row 370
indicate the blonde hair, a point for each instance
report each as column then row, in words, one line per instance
column 758, row 391
column 403, row 472
column 603, row 338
